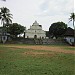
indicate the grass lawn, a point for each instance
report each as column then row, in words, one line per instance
column 21, row 61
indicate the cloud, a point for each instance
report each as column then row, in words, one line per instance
column 51, row 11
column 53, row 7
column 45, row 12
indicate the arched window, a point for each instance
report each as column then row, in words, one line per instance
column 35, row 36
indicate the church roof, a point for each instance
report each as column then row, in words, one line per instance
column 69, row 32
column 35, row 23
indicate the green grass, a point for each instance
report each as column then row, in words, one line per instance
column 69, row 48
column 14, row 62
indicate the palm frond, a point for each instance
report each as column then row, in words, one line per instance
column 10, row 16
column 72, row 17
column 5, row 15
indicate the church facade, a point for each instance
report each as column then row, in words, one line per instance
column 35, row 31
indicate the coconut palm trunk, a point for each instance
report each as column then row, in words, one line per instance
column 4, row 36
column 72, row 18
column 74, row 32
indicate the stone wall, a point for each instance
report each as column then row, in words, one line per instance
column 38, row 41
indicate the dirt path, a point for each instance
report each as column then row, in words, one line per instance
column 46, row 48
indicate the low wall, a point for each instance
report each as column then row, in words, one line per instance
column 36, row 41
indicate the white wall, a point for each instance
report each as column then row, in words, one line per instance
column 35, row 29
column 69, row 39
column 32, row 33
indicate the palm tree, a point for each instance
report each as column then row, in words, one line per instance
column 72, row 18
column 5, row 18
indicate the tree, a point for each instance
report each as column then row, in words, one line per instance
column 57, row 29
column 72, row 18
column 15, row 29
column 5, row 18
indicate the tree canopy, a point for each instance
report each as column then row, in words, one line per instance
column 5, row 16
column 57, row 29
column 15, row 29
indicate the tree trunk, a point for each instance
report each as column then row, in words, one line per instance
column 74, row 32
column 74, row 36
column 4, row 36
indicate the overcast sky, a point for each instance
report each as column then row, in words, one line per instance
column 46, row 12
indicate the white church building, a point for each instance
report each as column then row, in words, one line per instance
column 35, row 31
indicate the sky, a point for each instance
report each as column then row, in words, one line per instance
column 45, row 12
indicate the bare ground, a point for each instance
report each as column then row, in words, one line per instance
column 45, row 48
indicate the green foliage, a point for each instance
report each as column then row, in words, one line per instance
column 57, row 29
column 5, row 16
column 15, row 29
column 72, row 17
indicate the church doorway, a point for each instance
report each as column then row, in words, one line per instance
column 35, row 36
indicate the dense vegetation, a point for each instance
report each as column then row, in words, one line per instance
column 57, row 29
column 15, row 29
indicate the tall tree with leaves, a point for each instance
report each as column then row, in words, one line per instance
column 57, row 29
column 72, row 18
column 16, row 29
column 5, row 18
